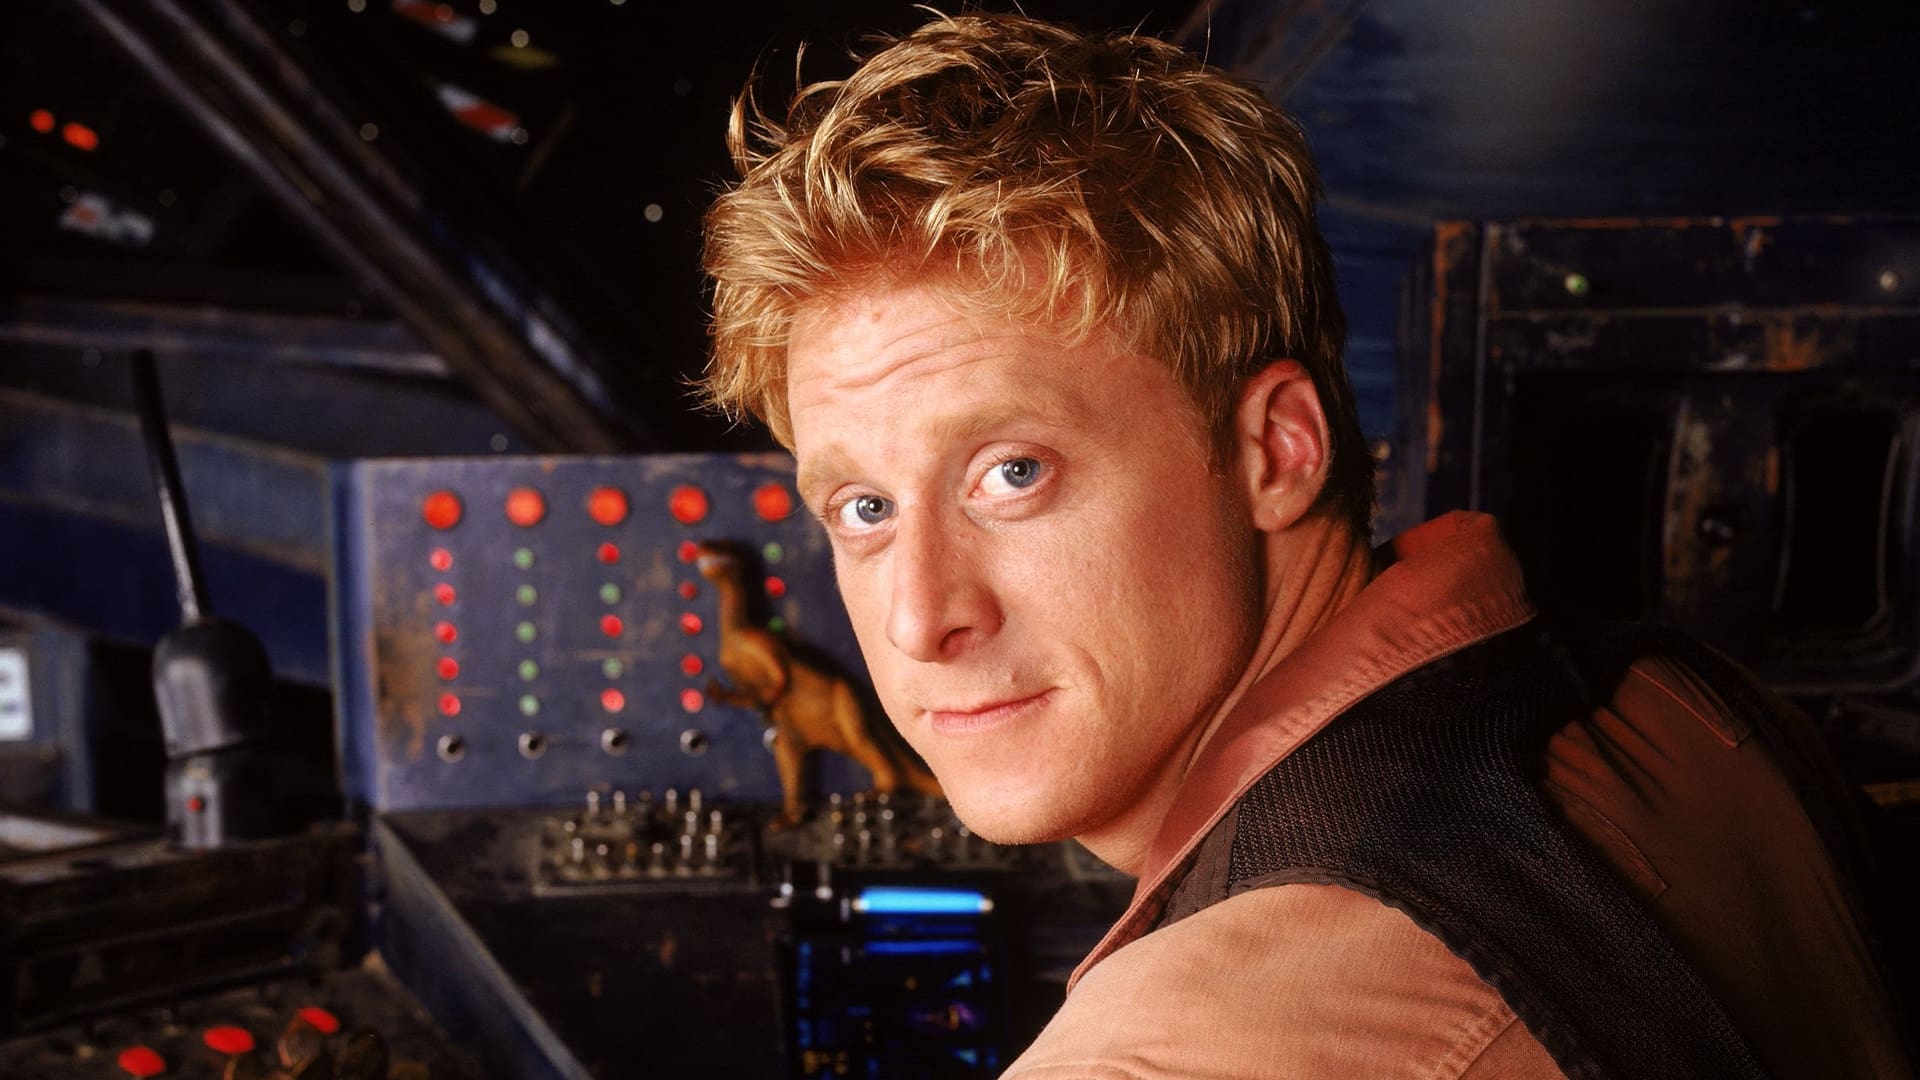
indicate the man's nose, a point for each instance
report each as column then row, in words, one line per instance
column 941, row 606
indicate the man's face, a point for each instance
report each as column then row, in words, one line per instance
column 1052, row 588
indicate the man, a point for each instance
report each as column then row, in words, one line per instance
column 1049, row 327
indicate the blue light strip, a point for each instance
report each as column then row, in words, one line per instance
column 940, row 947
column 901, row 900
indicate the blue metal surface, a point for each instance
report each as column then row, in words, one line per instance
column 396, row 736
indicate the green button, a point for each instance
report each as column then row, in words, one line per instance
column 527, row 595
column 777, row 624
column 529, row 671
column 773, row 551
column 611, row 668
column 529, row 705
column 610, row 593
column 523, row 558
column 525, row 632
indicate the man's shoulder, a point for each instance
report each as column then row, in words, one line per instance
column 1303, row 980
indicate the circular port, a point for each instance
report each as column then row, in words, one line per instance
column 532, row 744
column 452, row 748
column 693, row 742
column 614, row 741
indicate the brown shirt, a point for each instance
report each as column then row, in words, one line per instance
column 1317, row 981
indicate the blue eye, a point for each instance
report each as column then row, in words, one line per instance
column 865, row 510
column 1015, row 474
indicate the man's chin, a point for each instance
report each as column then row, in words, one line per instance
column 1010, row 821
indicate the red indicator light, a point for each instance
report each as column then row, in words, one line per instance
column 42, row 121
column 692, row 665
column 447, row 668
column 612, row 700
column 776, row 588
column 690, row 624
column 81, row 137
column 196, row 805
column 319, row 1019
column 445, row 633
column 607, row 505
column 228, row 1039
column 442, row 509
column 449, row 705
column 687, row 504
column 441, row 560
column 443, row 594
column 608, row 554
column 611, row 625
column 772, row 501
column 526, row 507
column 689, row 551
column 141, row 1061
column 692, row 700
column 688, row 590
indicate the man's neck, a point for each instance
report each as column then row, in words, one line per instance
column 1311, row 571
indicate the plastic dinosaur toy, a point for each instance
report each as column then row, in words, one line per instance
column 808, row 708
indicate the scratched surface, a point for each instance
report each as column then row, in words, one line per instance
column 525, row 721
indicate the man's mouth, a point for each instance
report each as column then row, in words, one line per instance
column 968, row 718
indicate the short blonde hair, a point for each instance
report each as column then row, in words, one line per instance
column 1083, row 181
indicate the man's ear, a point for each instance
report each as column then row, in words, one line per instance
column 1282, row 446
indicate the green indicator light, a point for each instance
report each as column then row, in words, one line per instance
column 529, row 671
column 611, row 668
column 773, row 551
column 529, row 705
column 527, row 595
column 610, row 593
column 525, row 632
column 777, row 624
column 523, row 558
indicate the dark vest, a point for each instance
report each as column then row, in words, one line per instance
column 1425, row 795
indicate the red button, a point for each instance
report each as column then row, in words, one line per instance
column 690, row 624
column 142, row 1061
column 443, row 593
column 441, row 509
column 229, row 1039
column 687, row 504
column 772, row 502
column 607, row 505
column 776, row 588
column 445, row 633
column 42, row 121
column 323, row 1021
column 692, row 665
column 688, row 590
column 612, row 700
column 447, row 668
column 196, row 804
column 608, row 554
column 526, row 507
column 449, row 704
column 441, row 560
column 689, row 551
column 611, row 625
column 691, row 700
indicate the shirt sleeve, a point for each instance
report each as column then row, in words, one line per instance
column 1312, row 982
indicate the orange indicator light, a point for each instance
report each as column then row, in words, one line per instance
column 690, row 624
column 612, row 700
column 608, row 553
column 445, row 632
column 441, row 509
column 687, row 504
column 447, row 668
column 607, row 505
column 692, row 665
column 611, row 625
column 449, row 705
column 42, row 121
column 692, row 700
column 776, row 588
column 526, row 507
column 772, row 502
column 441, row 560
